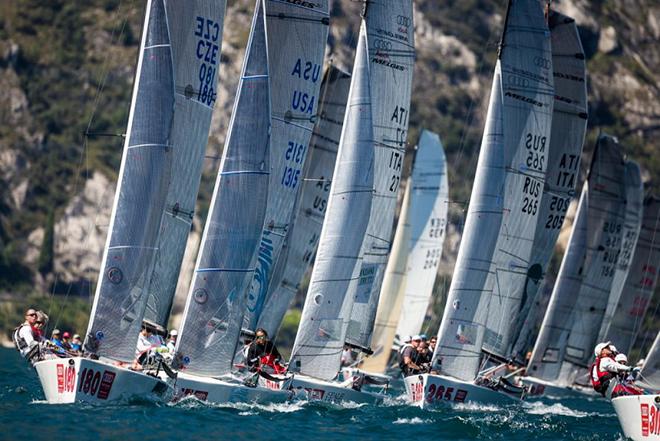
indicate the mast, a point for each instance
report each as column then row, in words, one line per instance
column 226, row 261
column 320, row 339
column 191, row 23
column 140, row 200
column 503, row 211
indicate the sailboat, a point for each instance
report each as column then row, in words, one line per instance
column 507, row 335
column 302, row 240
column 296, row 34
column 570, row 328
column 316, row 352
column 390, row 37
column 167, row 86
column 416, row 251
column 214, row 310
column 639, row 415
column 502, row 216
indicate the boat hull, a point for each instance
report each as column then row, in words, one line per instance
column 639, row 416
column 540, row 388
column 429, row 391
column 217, row 391
column 77, row 379
column 331, row 392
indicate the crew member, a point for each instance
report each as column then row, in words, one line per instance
column 23, row 336
column 605, row 368
column 262, row 352
column 407, row 362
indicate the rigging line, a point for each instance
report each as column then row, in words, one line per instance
column 84, row 158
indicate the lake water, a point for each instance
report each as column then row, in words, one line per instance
column 25, row 416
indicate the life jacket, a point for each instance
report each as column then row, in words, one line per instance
column 19, row 341
column 269, row 360
column 600, row 379
column 401, row 349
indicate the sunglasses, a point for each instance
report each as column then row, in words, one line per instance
column 34, row 314
column 39, row 323
column 261, row 337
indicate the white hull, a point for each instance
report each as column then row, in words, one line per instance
column 331, row 391
column 639, row 416
column 429, row 391
column 77, row 379
column 540, row 388
column 213, row 390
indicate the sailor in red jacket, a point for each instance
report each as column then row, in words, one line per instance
column 605, row 368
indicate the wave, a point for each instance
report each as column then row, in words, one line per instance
column 540, row 408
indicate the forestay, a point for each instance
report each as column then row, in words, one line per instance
column 128, row 257
column 303, row 238
column 320, row 339
column 640, row 282
column 618, row 299
column 226, row 261
column 503, row 211
column 196, row 37
column 598, row 222
column 390, row 38
column 296, row 34
column 569, row 124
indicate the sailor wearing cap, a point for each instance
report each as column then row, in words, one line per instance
column 605, row 367
column 171, row 341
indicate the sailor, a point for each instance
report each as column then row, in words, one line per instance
column 605, row 368
column 262, row 352
column 408, row 356
column 347, row 357
column 432, row 343
column 171, row 341
column 66, row 341
column 76, row 343
column 55, row 338
column 24, row 335
column 42, row 321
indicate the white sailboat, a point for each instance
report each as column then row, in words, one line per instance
column 213, row 316
column 390, row 39
column 639, row 415
column 503, row 213
column 302, row 240
column 570, row 328
column 416, row 251
column 296, row 34
column 316, row 353
column 166, row 84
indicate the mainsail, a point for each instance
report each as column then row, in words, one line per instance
column 632, row 223
column 296, row 35
column 413, row 264
column 320, row 339
column 225, row 265
column 129, row 254
column 193, row 25
column 390, row 38
column 580, row 293
column 569, row 124
column 504, row 207
column 640, row 282
column 302, row 240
